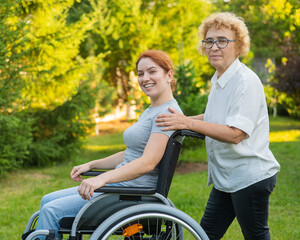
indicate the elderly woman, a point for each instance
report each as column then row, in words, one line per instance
column 240, row 163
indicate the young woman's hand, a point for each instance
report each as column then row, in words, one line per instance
column 77, row 171
column 88, row 186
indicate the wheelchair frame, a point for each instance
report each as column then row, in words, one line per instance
column 129, row 202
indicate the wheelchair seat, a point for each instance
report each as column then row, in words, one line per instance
column 115, row 198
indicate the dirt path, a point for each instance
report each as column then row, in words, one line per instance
column 184, row 168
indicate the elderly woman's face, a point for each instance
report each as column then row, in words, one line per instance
column 221, row 59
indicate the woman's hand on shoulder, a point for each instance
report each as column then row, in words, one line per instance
column 172, row 121
column 78, row 170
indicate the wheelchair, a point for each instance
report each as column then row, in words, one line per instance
column 131, row 213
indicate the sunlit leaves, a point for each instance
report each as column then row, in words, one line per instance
column 56, row 73
column 269, row 22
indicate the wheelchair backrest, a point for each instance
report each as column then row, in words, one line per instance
column 170, row 159
column 168, row 164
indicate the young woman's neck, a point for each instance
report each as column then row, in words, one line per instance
column 155, row 102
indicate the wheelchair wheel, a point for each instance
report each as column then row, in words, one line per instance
column 149, row 222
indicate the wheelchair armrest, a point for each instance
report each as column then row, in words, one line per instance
column 188, row 133
column 119, row 189
column 126, row 190
column 92, row 173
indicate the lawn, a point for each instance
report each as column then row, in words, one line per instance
column 21, row 191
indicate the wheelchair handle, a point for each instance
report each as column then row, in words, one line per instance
column 92, row 173
column 188, row 133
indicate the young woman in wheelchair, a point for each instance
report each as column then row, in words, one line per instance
column 137, row 165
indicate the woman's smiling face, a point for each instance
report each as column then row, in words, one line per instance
column 152, row 78
column 221, row 59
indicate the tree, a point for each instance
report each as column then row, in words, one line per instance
column 274, row 30
column 58, row 132
column 120, row 32
column 287, row 77
column 269, row 22
column 178, row 23
column 190, row 96
column 56, row 70
column 15, row 130
column 123, row 29
column 188, row 93
column 58, row 81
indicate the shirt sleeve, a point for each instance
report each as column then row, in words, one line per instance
column 245, row 104
column 156, row 129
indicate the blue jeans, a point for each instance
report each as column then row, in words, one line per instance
column 59, row 204
column 249, row 205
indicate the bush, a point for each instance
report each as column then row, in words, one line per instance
column 15, row 131
column 59, row 133
column 15, row 138
column 287, row 75
column 190, row 98
column 188, row 94
column 287, row 78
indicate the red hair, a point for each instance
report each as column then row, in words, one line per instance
column 162, row 59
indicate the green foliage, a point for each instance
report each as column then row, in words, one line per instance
column 287, row 77
column 275, row 101
column 49, row 49
column 189, row 96
column 15, row 138
column 15, row 131
column 274, row 30
column 45, row 100
column 56, row 70
column 59, row 133
column 119, row 33
column 188, row 92
column 106, row 99
column 269, row 22
column 60, row 95
column 21, row 191
column 123, row 29
column 12, row 57
column 283, row 90
column 178, row 23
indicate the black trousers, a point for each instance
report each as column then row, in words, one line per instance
column 250, row 206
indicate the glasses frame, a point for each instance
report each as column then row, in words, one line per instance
column 216, row 42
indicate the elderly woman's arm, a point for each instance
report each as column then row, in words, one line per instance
column 197, row 117
column 222, row 133
column 136, row 168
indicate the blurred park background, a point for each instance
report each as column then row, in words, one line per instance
column 68, row 66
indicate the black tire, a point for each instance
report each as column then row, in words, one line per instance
column 155, row 221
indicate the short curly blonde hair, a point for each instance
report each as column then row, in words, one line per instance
column 230, row 21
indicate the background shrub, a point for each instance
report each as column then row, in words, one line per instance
column 58, row 133
column 15, row 130
column 190, row 96
column 15, row 138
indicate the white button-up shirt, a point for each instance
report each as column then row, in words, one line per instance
column 237, row 99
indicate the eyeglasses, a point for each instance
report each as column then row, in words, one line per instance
column 221, row 43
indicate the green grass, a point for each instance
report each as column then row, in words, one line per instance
column 21, row 191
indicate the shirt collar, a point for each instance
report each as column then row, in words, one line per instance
column 226, row 76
